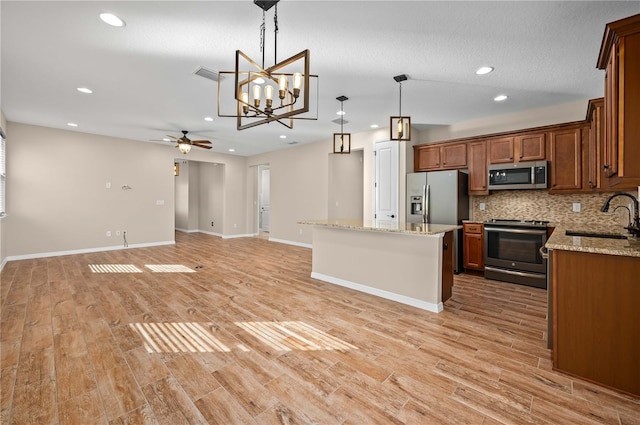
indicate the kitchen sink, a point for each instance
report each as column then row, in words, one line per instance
column 595, row 234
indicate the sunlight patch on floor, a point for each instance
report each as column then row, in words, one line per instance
column 180, row 337
column 114, row 268
column 289, row 336
column 169, row 268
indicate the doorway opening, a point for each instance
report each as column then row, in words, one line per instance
column 264, row 201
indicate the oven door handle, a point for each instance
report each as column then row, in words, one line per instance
column 513, row 230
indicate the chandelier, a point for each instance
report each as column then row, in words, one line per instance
column 342, row 140
column 280, row 93
column 400, row 126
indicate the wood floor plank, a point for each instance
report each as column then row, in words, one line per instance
column 270, row 346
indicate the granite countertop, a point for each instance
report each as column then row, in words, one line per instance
column 629, row 247
column 385, row 226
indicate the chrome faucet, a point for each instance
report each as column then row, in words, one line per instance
column 632, row 228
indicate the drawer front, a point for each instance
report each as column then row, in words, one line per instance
column 472, row 228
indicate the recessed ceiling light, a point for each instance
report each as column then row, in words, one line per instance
column 283, row 136
column 84, row 90
column 374, row 126
column 208, row 119
column 484, row 70
column 111, row 19
column 341, row 113
column 72, row 124
column 232, row 150
column 500, row 97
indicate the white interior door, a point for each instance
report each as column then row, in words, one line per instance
column 386, row 181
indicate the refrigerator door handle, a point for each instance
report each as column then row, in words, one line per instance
column 425, row 204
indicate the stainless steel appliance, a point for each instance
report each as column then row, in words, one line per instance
column 519, row 175
column 439, row 197
column 512, row 251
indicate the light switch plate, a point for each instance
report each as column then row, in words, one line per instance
column 576, row 207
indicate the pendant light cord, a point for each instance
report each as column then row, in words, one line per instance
column 275, row 34
column 400, row 109
column 262, row 36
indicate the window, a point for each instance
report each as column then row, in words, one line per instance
column 3, row 175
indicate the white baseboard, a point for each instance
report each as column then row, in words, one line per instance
column 85, row 251
column 246, row 235
column 187, row 231
column 4, row 262
column 284, row 241
column 434, row 308
column 220, row 235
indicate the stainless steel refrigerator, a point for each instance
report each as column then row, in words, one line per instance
column 440, row 197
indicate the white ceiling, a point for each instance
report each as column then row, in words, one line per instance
column 544, row 53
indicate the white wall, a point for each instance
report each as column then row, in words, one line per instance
column 557, row 114
column 300, row 184
column 57, row 199
column 3, row 250
column 182, row 195
column 346, row 185
column 211, row 197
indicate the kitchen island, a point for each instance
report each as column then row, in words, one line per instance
column 404, row 262
column 594, row 296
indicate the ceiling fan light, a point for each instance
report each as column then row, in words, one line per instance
column 184, row 147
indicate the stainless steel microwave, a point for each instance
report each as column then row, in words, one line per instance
column 520, row 175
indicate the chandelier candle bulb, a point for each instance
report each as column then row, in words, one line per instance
column 297, row 82
column 282, row 86
column 245, row 103
column 268, row 96
column 256, row 95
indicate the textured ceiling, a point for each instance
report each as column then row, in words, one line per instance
column 544, row 53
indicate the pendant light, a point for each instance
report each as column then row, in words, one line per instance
column 400, row 126
column 342, row 140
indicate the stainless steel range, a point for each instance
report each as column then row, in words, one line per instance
column 512, row 251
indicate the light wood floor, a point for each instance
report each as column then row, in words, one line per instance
column 250, row 338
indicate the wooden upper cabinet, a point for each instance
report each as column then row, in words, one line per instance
column 501, row 150
column 620, row 58
column 478, row 173
column 439, row 157
column 520, row 148
column 529, row 147
column 454, row 155
column 426, row 158
column 593, row 155
column 565, row 159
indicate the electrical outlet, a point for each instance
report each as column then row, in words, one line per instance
column 300, row 231
column 576, row 207
column 212, row 224
column 117, row 232
column 108, row 233
column 235, row 226
column 483, row 206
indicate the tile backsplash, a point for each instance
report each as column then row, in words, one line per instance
column 540, row 205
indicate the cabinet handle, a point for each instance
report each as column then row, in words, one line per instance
column 605, row 167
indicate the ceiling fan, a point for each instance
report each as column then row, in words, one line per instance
column 185, row 144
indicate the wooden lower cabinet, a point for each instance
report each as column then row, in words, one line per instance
column 596, row 318
column 473, row 246
column 447, row 266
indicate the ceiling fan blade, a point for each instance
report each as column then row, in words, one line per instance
column 173, row 137
column 205, row 142
column 201, row 146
